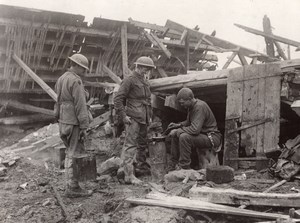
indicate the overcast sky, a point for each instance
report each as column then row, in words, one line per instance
column 209, row 15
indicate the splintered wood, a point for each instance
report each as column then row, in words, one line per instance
column 252, row 113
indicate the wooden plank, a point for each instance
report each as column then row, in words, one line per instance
column 183, row 36
column 26, row 119
column 249, row 115
column 99, row 120
column 233, row 116
column 162, row 200
column 260, row 140
column 187, row 52
column 238, row 197
column 191, row 78
column 269, row 42
column 190, row 84
column 216, row 41
column 230, row 59
column 112, row 75
column 26, row 107
column 160, row 45
column 242, row 59
column 255, row 123
column 271, row 36
column 124, row 50
column 36, row 77
column 155, row 27
column 272, row 107
column 194, row 45
column 100, row 84
column 280, row 51
column 57, row 28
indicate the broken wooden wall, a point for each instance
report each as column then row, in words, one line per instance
column 44, row 40
column 252, row 113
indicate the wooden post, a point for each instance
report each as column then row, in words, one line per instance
column 187, row 51
column 35, row 77
column 124, row 50
column 269, row 42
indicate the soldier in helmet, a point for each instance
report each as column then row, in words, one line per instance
column 72, row 114
column 133, row 104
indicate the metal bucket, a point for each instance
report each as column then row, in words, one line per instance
column 158, row 158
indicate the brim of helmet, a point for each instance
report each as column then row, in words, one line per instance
column 145, row 65
column 79, row 64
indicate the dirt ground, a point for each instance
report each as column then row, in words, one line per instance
column 27, row 194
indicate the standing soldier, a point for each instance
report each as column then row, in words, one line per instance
column 134, row 93
column 73, row 119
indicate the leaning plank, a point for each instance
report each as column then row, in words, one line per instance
column 157, row 42
column 238, row 197
column 25, row 107
column 25, row 119
column 36, row 77
column 230, row 59
column 216, row 41
column 112, row 75
column 160, row 199
column 271, row 36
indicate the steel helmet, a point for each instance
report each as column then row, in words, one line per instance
column 145, row 61
column 80, row 60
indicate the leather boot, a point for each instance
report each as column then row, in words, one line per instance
column 129, row 175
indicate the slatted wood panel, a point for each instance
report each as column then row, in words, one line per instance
column 253, row 95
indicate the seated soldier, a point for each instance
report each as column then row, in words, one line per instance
column 198, row 131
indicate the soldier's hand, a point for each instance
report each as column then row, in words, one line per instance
column 127, row 120
column 82, row 134
column 173, row 125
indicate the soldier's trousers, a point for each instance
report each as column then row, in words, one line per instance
column 70, row 136
column 181, row 147
column 135, row 146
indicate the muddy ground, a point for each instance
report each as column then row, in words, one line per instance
column 27, row 194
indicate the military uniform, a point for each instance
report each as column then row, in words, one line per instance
column 72, row 114
column 199, row 130
column 134, row 100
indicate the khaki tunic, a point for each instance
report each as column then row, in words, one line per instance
column 71, row 105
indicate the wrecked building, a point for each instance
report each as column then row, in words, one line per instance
column 256, row 106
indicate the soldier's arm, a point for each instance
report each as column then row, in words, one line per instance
column 120, row 98
column 81, row 111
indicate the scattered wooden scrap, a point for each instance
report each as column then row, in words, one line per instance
column 26, row 107
column 26, row 119
column 237, row 197
column 163, row 200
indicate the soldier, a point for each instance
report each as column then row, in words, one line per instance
column 134, row 92
column 71, row 111
column 198, row 131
